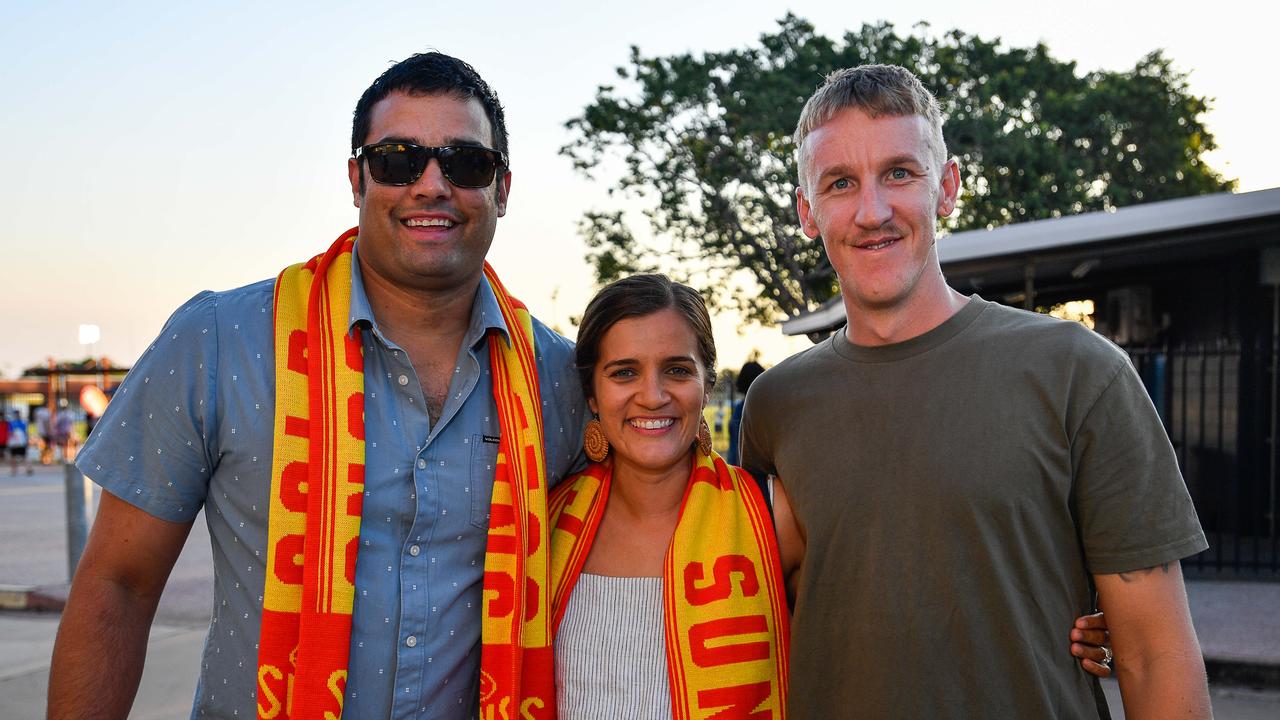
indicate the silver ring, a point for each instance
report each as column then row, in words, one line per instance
column 1106, row 656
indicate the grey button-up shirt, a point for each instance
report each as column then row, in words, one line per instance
column 191, row 426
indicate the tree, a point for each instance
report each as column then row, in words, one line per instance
column 705, row 140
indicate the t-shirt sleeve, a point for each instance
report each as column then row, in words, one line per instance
column 152, row 447
column 755, row 447
column 1133, row 505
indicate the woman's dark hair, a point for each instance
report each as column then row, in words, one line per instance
column 637, row 296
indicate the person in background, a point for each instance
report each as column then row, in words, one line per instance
column 4, row 433
column 747, row 375
column 44, row 444
column 63, row 435
column 17, row 443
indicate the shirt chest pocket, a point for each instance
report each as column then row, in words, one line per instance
column 484, row 460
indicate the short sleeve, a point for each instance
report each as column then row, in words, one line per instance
column 152, row 446
column 1133, row 505
column 754, row 443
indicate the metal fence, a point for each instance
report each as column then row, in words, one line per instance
column 1218, row 404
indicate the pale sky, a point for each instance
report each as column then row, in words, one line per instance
column 156, row 149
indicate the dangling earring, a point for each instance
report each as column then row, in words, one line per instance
column 704, row 437
column 594, row 443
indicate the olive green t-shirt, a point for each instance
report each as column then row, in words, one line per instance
column 956, row 492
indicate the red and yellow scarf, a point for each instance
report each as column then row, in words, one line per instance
column 724, row 606
column 317, row 484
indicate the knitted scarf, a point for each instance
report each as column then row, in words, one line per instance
column 316, row 490
column 724, row 606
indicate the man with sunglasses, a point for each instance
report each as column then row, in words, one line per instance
column 192, row 426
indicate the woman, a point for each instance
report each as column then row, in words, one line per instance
column 667, row 587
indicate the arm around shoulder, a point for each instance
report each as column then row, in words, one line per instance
column 112, row 601
column 791, row 540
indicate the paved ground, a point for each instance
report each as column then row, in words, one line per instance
column 26, row 640
column 34, row 541
column 1238, row 622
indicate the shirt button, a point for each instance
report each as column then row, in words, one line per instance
column 404, row 379
column 414, row 550
column 411, row 641
column 422, row 464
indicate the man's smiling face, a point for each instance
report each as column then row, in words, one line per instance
column 871, row 188
column 430, row 234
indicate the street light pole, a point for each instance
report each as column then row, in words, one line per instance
column 79, row 495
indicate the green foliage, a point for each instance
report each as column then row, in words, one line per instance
column 705, row 140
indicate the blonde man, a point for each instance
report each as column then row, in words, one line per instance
column 950, row 462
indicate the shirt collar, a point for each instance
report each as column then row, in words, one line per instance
column 486, row 314
column 360, row 309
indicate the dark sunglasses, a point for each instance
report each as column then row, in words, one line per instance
column 397, row 163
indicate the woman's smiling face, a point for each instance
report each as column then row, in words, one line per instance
column 648, row 387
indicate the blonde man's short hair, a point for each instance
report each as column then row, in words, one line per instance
column 877, row 90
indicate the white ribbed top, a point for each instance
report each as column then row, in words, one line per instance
column 611, row 659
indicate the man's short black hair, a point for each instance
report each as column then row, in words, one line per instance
column 431, row 73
